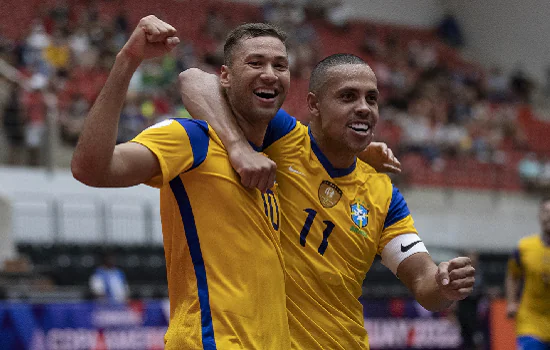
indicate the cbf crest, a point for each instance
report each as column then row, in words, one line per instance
column 329, row 194
column 359, row 214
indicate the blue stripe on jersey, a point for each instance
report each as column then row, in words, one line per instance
column 398, row 208
column 279, row 126
column 192, row 237
column 332, row 171
column 197, row 131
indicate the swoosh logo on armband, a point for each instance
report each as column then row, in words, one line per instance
column 408, row 247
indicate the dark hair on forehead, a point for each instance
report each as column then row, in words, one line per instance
column 319, row 73
column 247, row 31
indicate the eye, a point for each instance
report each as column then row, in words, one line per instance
column 281, row 67
column 347, row 96
column 372, row 98
column 254, row 64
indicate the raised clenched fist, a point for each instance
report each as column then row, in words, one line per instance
column 151, row 38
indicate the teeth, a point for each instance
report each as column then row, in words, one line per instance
column 265, row 91
column 360, row 126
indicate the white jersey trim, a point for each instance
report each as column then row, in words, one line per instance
column 400, row 248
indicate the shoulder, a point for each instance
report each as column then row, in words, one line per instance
column 529, row 242
column 279, row 127
column 191, row 126
column 177, row 127
column 373, row 178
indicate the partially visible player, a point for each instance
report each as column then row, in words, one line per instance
column 222, row 244
column 528, row 286
column 338, row 212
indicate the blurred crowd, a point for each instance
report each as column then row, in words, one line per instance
column 431, row 106
column 534, row 172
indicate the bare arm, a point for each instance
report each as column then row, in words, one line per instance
column 437, row 287
column 203, row 97
column 96, row 161
column 513, row 286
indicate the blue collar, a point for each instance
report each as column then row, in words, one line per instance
column 332, row 171
column 256, row 148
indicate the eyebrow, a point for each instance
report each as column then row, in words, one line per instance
column 353, row 88
column 259, row 55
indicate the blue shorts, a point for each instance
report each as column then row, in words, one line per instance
column 531, row 343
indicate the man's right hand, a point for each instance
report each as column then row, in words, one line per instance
column 151, row 38
column 255, row 169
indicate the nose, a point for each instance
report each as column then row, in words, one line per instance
column 268, row 74
column 363, row 109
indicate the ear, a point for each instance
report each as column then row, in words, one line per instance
column 224, row 77
column 313, row 104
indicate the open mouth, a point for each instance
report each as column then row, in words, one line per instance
column 266, row 94
column 362, row 128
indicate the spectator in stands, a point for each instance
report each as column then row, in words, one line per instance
column 338, row 13
column 543, row 181
column 34, row 107
column 72, row 120
column 108, row 282
column 529, row 170
column 497, row 85
column 521, row 86
column 36, row 41
column 418, row 134
column 13, row 124
column 449, row 30
column 58, row 53
column 132, row 120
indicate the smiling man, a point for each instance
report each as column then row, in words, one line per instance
column 225, row 268
column 338, row 212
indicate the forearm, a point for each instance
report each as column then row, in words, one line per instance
column 512, row 289
column 203, row 97
column 428, row 293
column 94, row 152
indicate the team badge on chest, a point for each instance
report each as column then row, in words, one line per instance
column 359, row 214
column 329, row 194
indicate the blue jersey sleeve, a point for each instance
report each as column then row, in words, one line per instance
column 398, row 209
column 279, row 126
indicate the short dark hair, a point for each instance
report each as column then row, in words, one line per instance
column 318, row 75
column 247, row 31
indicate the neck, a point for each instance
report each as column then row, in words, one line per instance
column 254, row 131
column 338, row 157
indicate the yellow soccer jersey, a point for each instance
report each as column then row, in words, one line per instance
column 335, row 222
column 223, row 255
column 531, row 262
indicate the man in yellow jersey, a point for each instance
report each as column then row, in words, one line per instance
column 338, row 212
column 529, row 276
column 224, row 263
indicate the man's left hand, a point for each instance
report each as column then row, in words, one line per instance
column 381, row 158
column 456, row 278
